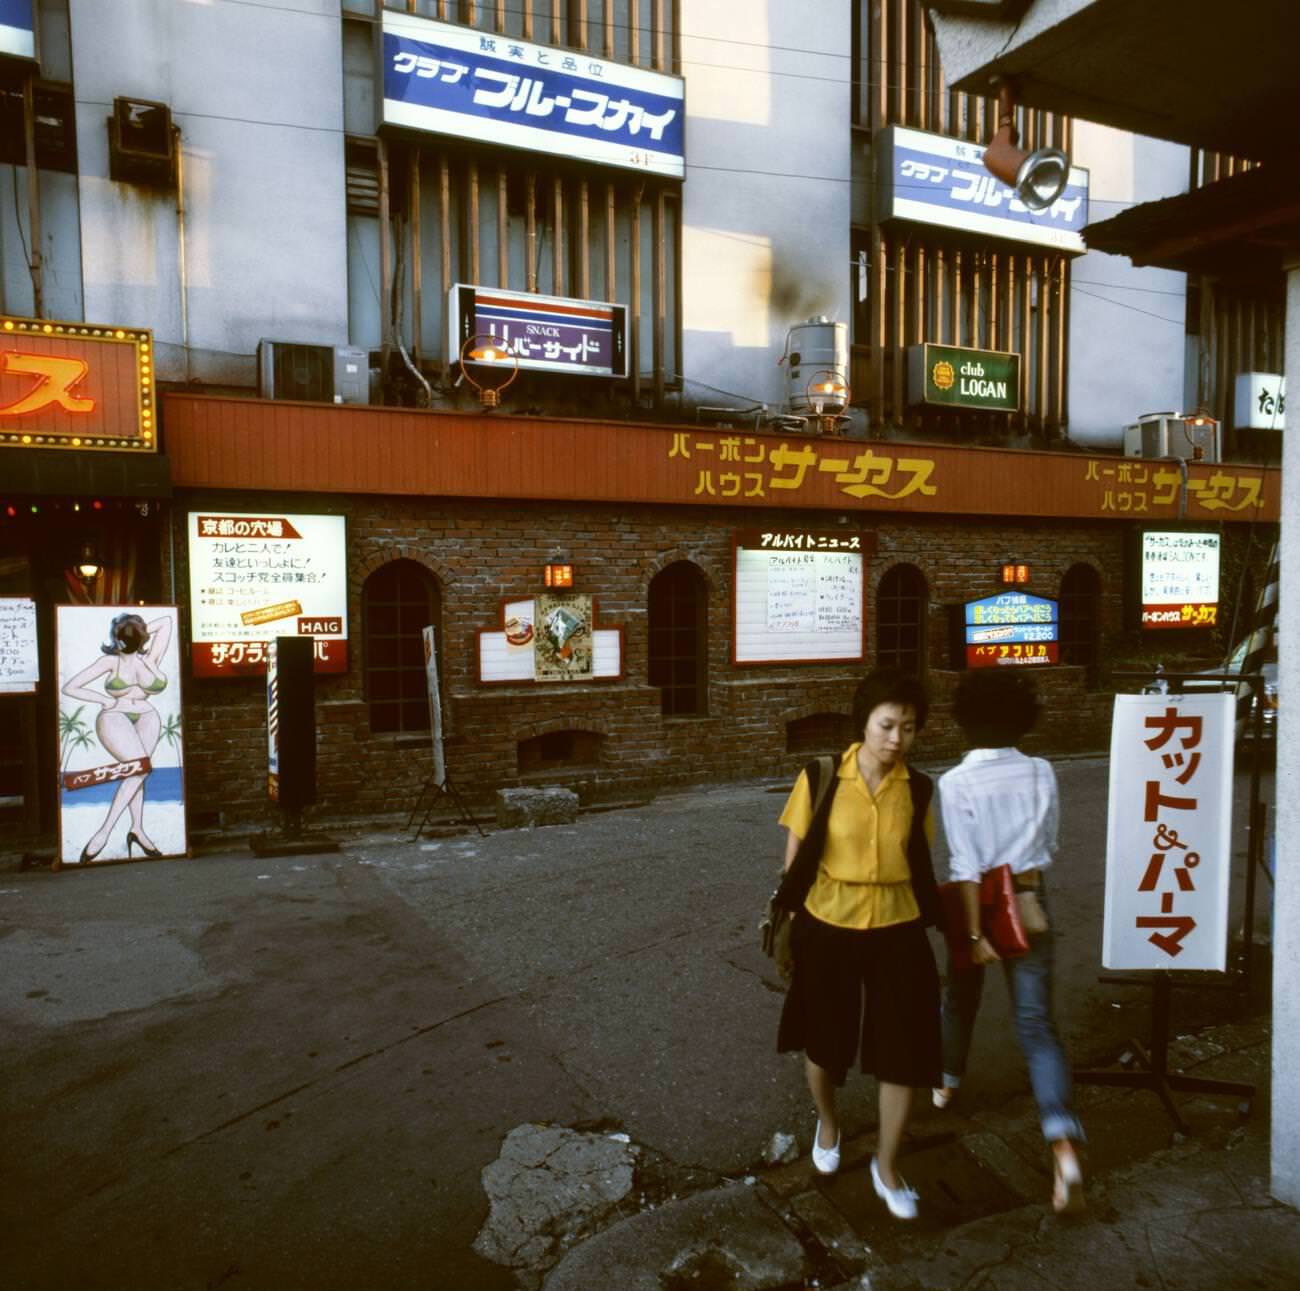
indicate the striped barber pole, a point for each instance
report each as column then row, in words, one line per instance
column 1263, row 625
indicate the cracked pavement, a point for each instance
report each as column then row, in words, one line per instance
column 244, row 1073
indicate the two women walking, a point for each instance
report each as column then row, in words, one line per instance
column 858, row 874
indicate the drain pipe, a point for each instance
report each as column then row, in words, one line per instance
column 182, row 264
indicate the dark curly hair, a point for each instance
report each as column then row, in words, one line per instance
column 995, row 707
column 127, row 634
column 888, row 686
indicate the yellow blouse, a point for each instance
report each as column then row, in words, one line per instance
column 863, row 880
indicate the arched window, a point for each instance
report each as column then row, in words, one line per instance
column 678, row 639
column 902, row 603
column 1080, row 626
column 397, row 602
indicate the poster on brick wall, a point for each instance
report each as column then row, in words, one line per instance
column 121, row 754
column 256, row 577
column 798, row 597
column 511, row 652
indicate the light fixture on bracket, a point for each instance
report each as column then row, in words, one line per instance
column 828, row 396
column 87, row 564
column 483, row 348
column 1038, row 177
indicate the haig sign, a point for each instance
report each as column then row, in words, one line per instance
column 955, row 377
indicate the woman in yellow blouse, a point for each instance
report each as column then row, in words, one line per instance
column 859, row 876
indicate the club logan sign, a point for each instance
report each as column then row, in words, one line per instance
column 955, row 377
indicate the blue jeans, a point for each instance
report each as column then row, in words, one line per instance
column 1029, row 979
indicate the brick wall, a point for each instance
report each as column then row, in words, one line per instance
column 482, row 552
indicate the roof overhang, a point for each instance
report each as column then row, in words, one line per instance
column 1200, row 72
column 1239, row 228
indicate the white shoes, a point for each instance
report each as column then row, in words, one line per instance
column 942, row 1095
column 901, row 1200
column 825, row 1160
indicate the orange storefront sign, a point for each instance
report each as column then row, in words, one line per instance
column 75, row 385
column 223, row 443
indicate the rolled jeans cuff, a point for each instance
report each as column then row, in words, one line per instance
column 950, row 1081
column 1061, row 1125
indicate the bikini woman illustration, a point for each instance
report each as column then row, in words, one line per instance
column 128, row 725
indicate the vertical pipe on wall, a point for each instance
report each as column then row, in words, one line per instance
column 528, row 19
column 611, row 243
column 444, row 228
column 503, row 229
column 895, row 68
column 609, row 29
column 897, row 331
column 877, row 90
column 417, row 260
column 634, row 32
column 35, row 266
column 558, row 285
column 941, row 333
column 557, row 22
column 1040, row 340
column 657, row 34
column 530, row 230
column 876, row 279
column 635, row 311
column 958, row 301
column 1025, row 324
column 501, row 15
column 385, row 256
column 472, row 184
column 660, row 292
column 1062, row 328
column 584, row 240
column 582, row 41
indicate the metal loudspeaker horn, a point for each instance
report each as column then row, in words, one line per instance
column 1038, row 177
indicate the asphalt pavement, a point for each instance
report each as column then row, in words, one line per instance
column 459, row 1062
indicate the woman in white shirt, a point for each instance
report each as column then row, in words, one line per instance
column 1001, row 808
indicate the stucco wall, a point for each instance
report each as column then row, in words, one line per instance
column 1127, row 343
column 257, row 93
column 765, row 239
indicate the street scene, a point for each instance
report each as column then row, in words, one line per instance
column 346, row 1070
column 642, row 645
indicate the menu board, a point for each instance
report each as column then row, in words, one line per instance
column 257, row 577
column 1180, row 580
column 19, row 663
column 798, row 604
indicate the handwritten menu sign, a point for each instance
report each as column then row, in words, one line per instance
column 19, row 663
column 797, row 603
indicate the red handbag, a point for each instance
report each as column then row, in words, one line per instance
column 1000, row 918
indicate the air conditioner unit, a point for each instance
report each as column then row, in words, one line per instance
column 141, row 143
column 313, row 373
column 1173, row 434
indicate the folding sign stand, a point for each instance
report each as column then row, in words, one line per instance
column 1156, row 1075
column 445, row 788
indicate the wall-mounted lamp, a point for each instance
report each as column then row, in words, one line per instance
column 1039, row 177
column 88, row 565
column 1013, row 574
column 486, row 350
column 828, row 396
column 559, row 575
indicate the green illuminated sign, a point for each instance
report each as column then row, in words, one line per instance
column 951, row 376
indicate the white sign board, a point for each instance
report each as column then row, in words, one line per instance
column 257, row 577
column 1180, row 579
column 121, row 763
column 1259, row 401
column 936, row 179
column 511, row 656
column 1169, row 835
column 19, row 661
column 798, row 606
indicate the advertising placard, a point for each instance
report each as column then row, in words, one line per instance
column 515, row 653
column 76, row 385
column 20, row 668
column 497, row 89
column 1180, row 579
column 544, row 333
column 936, row 179
column 953, row 376
column 1011, row 629
column 121, row 755
column 256, row 577
column 1169, row 833
column 562, row 637
column 1259, row 401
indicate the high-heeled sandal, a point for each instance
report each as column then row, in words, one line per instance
column 133, row 839
column 87, row 855
column 1067, row 1186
